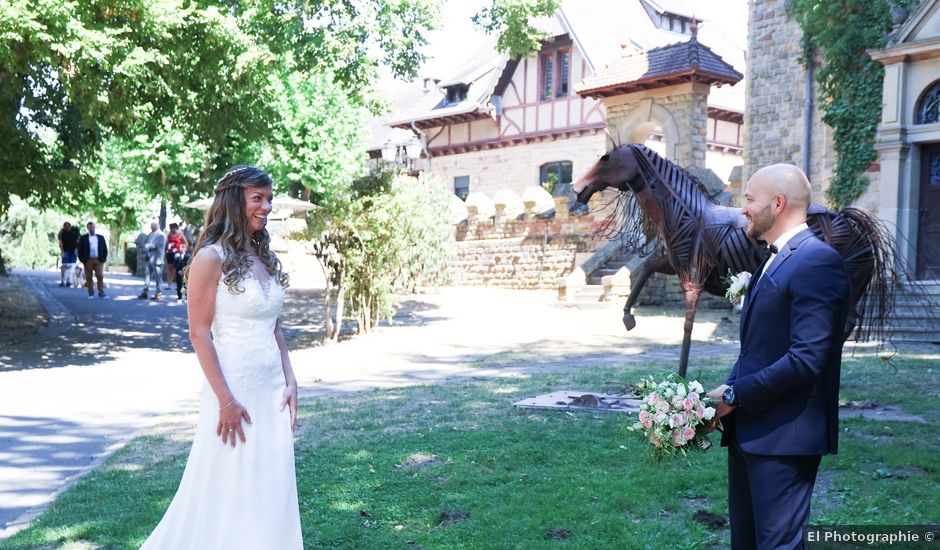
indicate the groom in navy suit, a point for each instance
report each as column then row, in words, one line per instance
column 779, row 405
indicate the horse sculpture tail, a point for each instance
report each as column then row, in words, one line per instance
column 868, row 249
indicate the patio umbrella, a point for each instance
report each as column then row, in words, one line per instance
column 201, row 204
column 283, row 202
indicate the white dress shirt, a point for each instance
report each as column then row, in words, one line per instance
column 92, row 245
column 782, row 241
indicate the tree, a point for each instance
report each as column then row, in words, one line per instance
column 73, row 75
column 512, row 20
column 318, row 147
column 29, row 235
column 68, row 70
column 392, row 237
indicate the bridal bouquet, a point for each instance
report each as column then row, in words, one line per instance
column 673, row 416
column 737, row 285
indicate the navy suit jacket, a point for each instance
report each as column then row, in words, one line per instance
column 786, row 378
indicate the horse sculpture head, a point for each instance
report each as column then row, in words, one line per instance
column 618, row 169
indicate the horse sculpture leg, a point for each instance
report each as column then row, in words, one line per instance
column 656, row 264
column 691, row 293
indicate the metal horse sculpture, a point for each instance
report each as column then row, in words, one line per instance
column 702, row 242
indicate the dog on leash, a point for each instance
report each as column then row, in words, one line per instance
column 76, row 274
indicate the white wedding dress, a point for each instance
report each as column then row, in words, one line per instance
column 246, row 497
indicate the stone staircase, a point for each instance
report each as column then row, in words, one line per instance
column 612, row 266
column 917, row 313
column 591, row 295
column 660, row 289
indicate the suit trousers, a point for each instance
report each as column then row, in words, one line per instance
column 769, row 498
column 96, row 266
column 153, row 274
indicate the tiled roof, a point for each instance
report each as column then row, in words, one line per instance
column 662, row 66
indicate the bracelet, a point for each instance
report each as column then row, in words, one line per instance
column 230, row 403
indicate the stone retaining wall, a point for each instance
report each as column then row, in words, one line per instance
column 525, row 252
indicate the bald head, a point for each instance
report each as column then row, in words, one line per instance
column 786, row 180
column 776, row 199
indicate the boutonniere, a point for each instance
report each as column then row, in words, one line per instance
column 737, row 285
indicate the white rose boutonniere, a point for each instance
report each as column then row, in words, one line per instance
column 737, row 286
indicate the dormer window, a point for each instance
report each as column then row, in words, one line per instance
column 457, row 93
column 668, row 20
column 555, row 73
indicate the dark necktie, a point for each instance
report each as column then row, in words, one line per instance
column 772, row 249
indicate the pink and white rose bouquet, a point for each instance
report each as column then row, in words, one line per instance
column 673, row 416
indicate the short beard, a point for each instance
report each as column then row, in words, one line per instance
column 760, row 223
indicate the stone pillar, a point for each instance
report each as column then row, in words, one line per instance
column 689, row 108
column 679, row 111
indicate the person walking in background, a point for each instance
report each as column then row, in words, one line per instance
column 174, row 239
column 68, row 246
column 156, row 243
column 180, row 261
column 93, row 253
column 780, row 404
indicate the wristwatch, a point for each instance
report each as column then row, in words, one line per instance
column 728, row 396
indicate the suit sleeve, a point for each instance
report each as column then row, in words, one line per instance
column 733, row 376
column 819, row 293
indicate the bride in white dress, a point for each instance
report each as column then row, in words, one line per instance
column 239, row 489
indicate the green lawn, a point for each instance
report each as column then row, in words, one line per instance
column 502, row 477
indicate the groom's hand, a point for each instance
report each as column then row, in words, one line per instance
column 721, row 408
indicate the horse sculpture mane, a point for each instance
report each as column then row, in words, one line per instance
column 701, row 241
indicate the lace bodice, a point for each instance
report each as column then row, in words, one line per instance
column 243, row 325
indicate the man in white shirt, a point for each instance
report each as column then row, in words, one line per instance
column 93, row 253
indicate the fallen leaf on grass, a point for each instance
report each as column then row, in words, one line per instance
column 558, row 534
column 710, row 519
column 452, row 516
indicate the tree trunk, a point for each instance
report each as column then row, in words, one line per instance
column 163, row 199
column 328, row 313
column 340, row 307
column 114, row 242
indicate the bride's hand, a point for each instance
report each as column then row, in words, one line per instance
column 230, row 422
column 290, row 399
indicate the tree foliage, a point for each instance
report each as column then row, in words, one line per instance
column 74, row 75
column 392, row 237
column 513, row 21
column 319, row 146
column 28, row 236
column 850, row 82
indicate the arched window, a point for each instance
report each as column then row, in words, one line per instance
column 555, row 176
column 928, row 108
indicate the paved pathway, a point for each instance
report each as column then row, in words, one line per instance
column 103, row 370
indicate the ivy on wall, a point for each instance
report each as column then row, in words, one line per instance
column 850, row 82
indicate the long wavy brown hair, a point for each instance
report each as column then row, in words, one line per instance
column 226, row 225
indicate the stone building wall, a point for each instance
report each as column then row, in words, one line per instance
column 775, row 100
column 525, row 252
column 517, row 167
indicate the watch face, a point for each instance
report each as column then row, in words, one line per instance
column 728, row 396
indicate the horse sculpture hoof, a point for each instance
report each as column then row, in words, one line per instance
column 629, row 321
